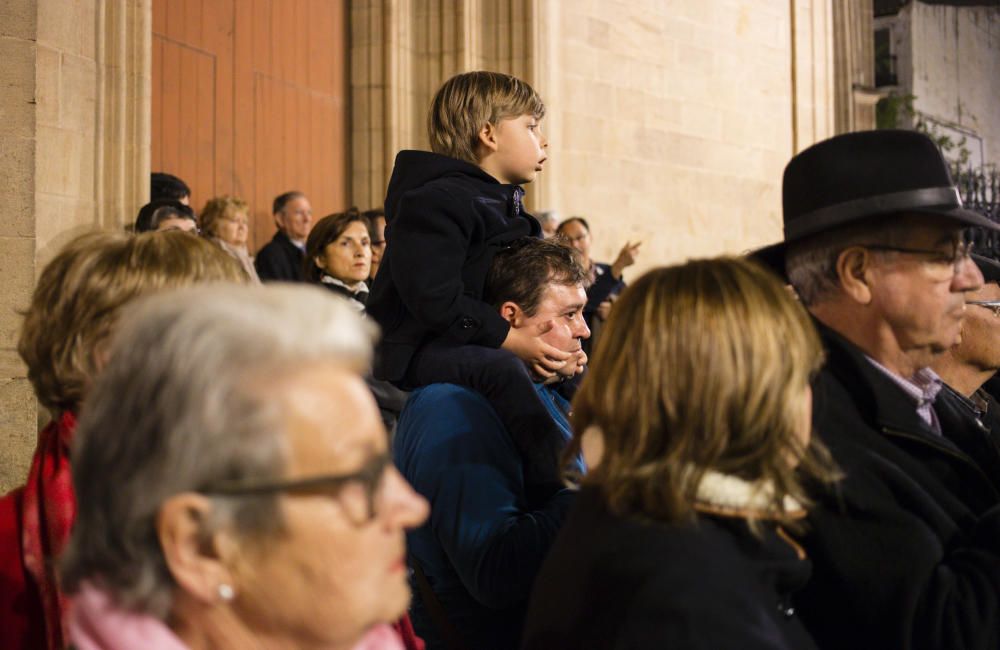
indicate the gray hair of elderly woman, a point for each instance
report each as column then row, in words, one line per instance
column 183, row 403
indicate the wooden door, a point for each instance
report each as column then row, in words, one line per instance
column 250, row 98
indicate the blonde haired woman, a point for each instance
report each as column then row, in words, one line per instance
column 695, row 421
column 64, row 343
column 225, row 220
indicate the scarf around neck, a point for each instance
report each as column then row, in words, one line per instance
column 47, row 519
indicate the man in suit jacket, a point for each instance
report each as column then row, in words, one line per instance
column 281, row 258
column 906, row 548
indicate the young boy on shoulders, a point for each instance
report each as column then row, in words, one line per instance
column 447, row 213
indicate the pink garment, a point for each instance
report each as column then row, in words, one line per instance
column 97, row 624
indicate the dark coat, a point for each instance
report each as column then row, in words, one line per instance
column 618, row 584
column 279, row 260
column 976, row 434
column 901, row 559
column 445, row 220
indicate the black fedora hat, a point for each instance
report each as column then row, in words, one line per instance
column 862, row 176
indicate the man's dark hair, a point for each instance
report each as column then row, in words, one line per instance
column 167, row 187
column 579, row 220
column 153, row 213
column 370, row 218
column 521, row 272
column 282, row 200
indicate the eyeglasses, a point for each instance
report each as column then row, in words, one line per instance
column 960, row 252
column 357, row 493
column 992, row 305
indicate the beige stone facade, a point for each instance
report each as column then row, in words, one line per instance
column 74, row 154
column 668, row 123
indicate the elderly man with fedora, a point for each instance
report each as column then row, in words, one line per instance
column 874, row 246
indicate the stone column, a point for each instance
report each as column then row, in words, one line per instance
column 74, row 154
column 18, row 125
column 854, row 65
column 811, row 66
column 402, row 51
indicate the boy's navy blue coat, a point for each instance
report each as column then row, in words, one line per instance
column 445, row 219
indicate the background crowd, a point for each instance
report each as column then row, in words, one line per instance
column 449, row 401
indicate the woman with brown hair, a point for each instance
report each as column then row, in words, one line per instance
column 339, row 256
column 64, row 343
column 695, row 423
column 225, row 221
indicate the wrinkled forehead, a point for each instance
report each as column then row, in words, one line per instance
column 330, row 421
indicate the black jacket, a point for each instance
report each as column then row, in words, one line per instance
column 618, row 584
column 279, row 260
column 901, row 558
column 445, row 220
column 975, row 433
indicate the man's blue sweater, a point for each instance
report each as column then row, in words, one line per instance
column 484, row 542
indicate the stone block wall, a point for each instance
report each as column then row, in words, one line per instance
column 670, row 123
column 74, row 156
column 18, row 120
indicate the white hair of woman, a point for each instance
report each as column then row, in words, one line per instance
column 201, row 391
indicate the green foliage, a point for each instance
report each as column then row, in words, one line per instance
column 892, row 111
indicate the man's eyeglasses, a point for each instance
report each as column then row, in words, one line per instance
column 959, row 253
column 992, row 305
column 357, row 492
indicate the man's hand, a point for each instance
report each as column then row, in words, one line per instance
column 625, row 259
column 543, row 358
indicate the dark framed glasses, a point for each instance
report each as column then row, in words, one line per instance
column 357, row 492
column 959, row 253
column 992, row 305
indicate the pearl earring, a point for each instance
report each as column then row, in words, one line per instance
column 226, row 592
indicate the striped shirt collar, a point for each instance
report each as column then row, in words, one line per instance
column 922, row 388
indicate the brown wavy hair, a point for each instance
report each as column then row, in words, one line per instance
column 716, row 357
column 81, row 292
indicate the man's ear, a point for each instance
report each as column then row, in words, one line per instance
column 854, row 273
column 195, row 561
column 318, row 261
column 511, row 312
column 487, row 137
column 279, row 220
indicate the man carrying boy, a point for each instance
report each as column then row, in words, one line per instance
column 447, row 214
column 476, row 558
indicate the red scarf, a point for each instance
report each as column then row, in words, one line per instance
column 47, row 518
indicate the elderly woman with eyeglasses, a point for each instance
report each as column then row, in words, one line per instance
column 234, row 481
